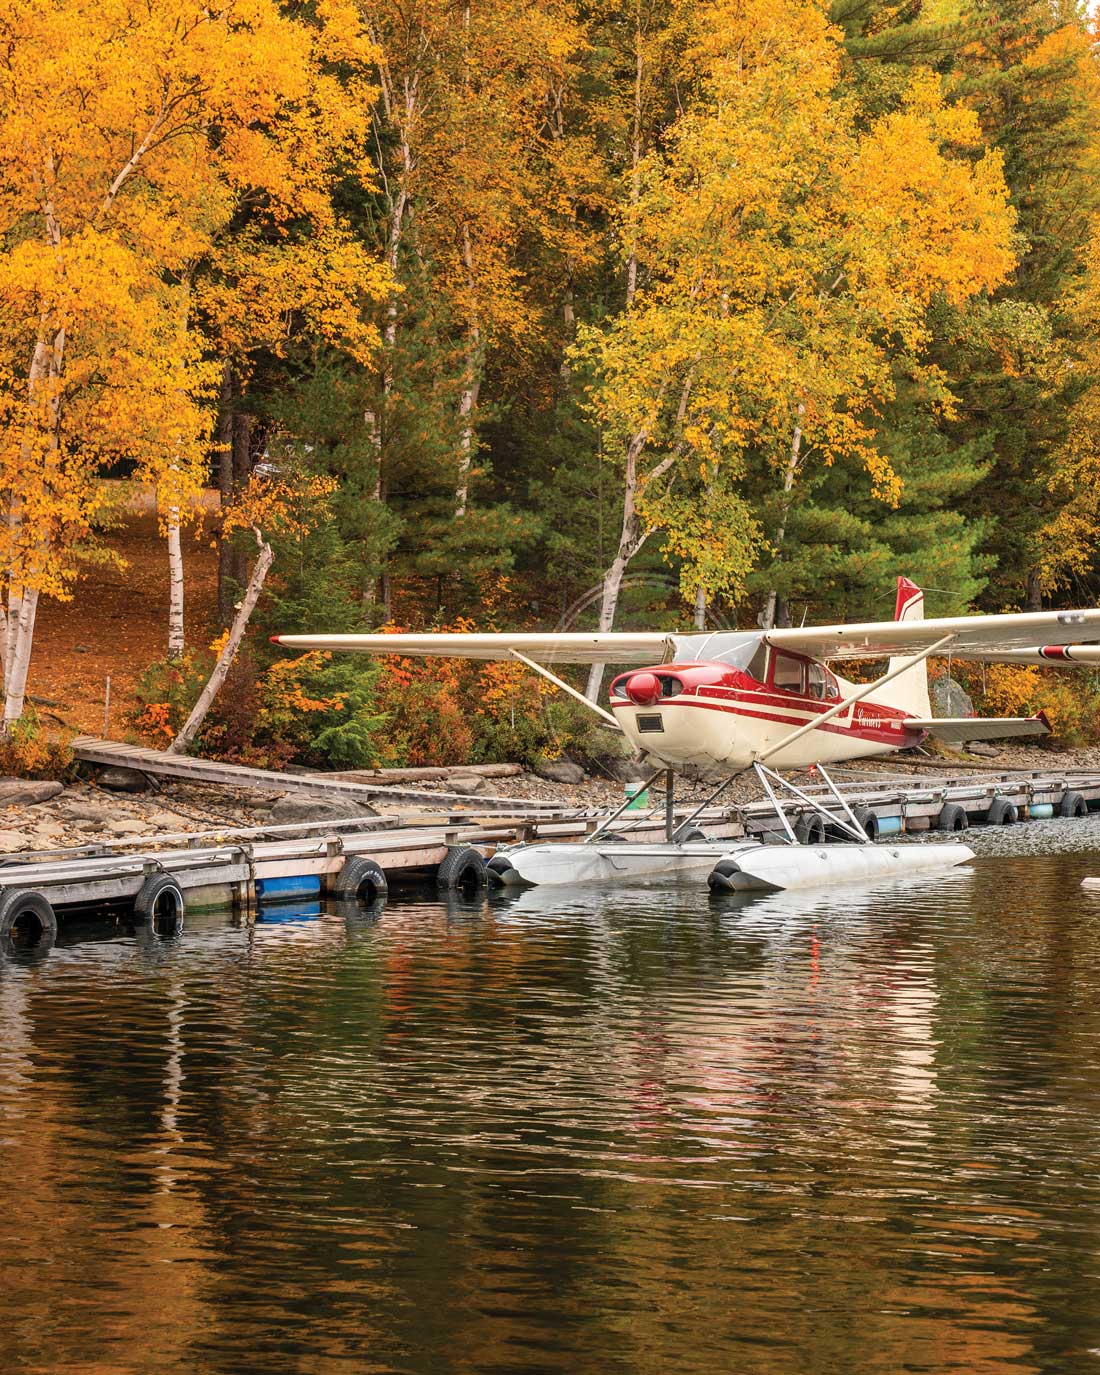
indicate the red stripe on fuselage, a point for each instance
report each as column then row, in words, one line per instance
column 763, row 705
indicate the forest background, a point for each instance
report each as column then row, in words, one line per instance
column 535, row 313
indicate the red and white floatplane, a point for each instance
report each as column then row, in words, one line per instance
column 716, row 705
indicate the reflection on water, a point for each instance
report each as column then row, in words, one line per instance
column 643, row 1131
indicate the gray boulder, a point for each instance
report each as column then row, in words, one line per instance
column 119, row 780
column 295, row 807
column 26, row 792
column 560, row 771
column 949, row 699
column 467, row 785
column 11, row 841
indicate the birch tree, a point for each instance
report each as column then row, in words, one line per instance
column 131, row 132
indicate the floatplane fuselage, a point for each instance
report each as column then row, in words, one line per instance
column 711, row 718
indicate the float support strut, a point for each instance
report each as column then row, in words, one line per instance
column 653, row 777
column 670, row 805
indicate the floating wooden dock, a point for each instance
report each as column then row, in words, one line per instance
column 227, row 866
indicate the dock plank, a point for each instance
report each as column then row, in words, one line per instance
column 89, row 749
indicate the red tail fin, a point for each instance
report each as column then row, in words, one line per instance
column 910, row 602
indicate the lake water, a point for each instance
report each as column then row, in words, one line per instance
column 645, row 1132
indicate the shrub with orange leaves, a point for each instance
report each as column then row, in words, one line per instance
column 317, row 709
column 28, row 751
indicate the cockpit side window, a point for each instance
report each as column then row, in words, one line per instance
column 787, row 672
column 819, row 682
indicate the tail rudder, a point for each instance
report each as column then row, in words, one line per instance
column 909, row 605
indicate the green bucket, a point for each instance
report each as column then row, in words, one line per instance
column 638, row 795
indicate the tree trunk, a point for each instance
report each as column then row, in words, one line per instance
column 46, row 365
column 176, row 642
column 1034, row 590
column 631, row 539
column 700, row 618
column 225, row 659
column 471, row 385
column 225, row 487
column 774, row 611
column 467, row 406
column 15, row 680
column 635, row 154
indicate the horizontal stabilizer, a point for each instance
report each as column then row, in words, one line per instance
column 956, row 730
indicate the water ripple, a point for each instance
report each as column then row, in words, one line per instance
column 570, row 1132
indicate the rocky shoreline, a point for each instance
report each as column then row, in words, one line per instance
column 50, row 816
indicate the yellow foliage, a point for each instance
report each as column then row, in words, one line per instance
column 1010, row 689
column 131, row 134
column 785, row 247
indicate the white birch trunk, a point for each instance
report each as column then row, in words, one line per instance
column 631, row 539
column 635, row 155
column 15, row 681
column 467, row 407
column 176, row 640
column 221, row 669
column 794, row 461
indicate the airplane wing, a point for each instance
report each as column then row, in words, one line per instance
column 613, row 647
column 973, row 637
column 955, row 730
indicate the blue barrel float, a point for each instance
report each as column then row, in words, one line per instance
column 270, row 890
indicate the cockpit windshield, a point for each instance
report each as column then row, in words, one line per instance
column 736, row 648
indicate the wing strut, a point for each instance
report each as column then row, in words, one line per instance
column 865, row 690
column 565, row 687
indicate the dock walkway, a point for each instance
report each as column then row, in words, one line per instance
column 158, row 763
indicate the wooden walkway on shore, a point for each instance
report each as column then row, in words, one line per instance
column 158, row 763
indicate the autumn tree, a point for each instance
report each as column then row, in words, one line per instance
column 1029, row 71
column 787, row 252
column 475, row 161
column 132, row 134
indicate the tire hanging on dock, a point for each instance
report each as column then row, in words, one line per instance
column 160, row 902
column 360, row 880
column 497, row 869
column 1073, row 804
column 952, row 817
column 810, row 829
column 464, row 868
column 27, row 922
column 1001, row 812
